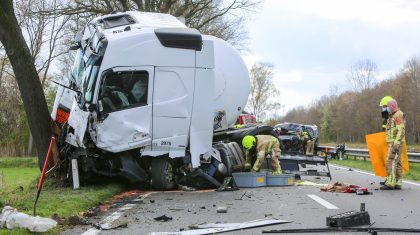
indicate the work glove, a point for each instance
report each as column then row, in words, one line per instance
column 396, row 149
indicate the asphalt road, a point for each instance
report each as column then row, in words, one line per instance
column 400, row 209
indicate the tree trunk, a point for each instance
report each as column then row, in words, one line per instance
column 30, row 145
column 27, row 78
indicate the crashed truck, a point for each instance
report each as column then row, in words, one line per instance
column 153, row 101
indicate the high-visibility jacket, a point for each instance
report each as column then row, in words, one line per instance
column 395, row 128
column 265, row 144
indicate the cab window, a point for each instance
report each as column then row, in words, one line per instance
column 123, row 90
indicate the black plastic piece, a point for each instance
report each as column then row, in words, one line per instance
column 183, row 38
column 349, row 219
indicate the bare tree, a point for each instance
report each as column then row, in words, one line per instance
column 45, row 34
column 412, row 71
column 362, row 75
column 264, row 95
column 26, row 76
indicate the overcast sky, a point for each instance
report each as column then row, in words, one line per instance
column 312, row 43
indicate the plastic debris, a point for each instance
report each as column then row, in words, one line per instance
column 163, row 218
column 10, row 218
column 111, row 225
column 340, row 187
column 186, row 188
column 308, row 183
column 222, row 209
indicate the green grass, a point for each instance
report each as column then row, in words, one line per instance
column 7, row 162
column 413, row 174
column 18, row 188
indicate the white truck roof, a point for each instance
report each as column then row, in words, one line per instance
column 135, row 19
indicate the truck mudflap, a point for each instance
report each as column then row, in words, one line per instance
column 304, row 165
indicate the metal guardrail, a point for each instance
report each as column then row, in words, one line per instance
column 412, row 157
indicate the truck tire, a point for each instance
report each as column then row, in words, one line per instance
column 162, row 173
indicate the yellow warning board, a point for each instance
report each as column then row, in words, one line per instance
column 378, row 149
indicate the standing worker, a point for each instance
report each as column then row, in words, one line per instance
column 395, row 137
column 261, row 146
column 384, row 113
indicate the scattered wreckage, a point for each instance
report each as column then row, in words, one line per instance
column 152, row 101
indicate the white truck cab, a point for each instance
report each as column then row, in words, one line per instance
column 145, row 98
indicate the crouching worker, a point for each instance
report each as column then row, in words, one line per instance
column 261, row 146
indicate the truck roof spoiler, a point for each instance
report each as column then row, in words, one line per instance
column 184, row 38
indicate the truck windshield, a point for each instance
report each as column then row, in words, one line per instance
column 88, row 80
column 78, row 67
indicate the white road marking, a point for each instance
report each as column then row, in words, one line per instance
column 107, row 222
column 368, row 173
column 322, row 202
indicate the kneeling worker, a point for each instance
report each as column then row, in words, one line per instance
column 262, row 145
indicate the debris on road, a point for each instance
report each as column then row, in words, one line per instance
column 349, row 219
column 112, row 225
column 340, row 187
column 308, row 183
column 10, row 218
column 186, row 188
column 213, row 228
column 370, row 230
column 132, row 196
column 222, row 209
column 163, row 218
column 248, row 195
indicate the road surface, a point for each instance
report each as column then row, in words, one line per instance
column 307, row 206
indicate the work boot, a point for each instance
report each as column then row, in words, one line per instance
column 398, row 184
column 389, row 183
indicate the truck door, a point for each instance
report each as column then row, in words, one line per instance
column 172, row 106
column 125, row 108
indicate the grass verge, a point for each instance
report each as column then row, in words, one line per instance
column 18, row 187
column 7, row 162
column 413, row 174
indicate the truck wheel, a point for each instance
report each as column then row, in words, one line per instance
column 162, row 173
